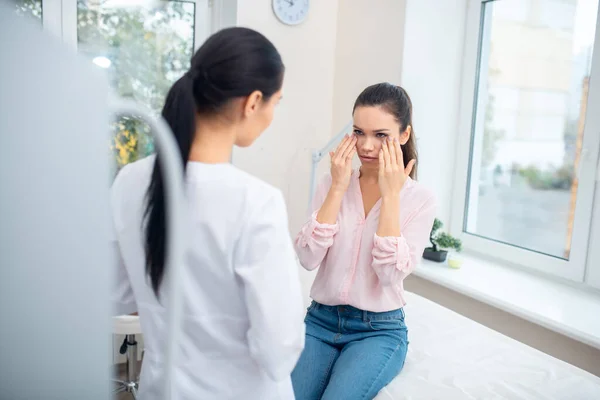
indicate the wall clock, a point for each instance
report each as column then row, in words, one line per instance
column 291, row 12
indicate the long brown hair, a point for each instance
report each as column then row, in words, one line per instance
column 395, row 101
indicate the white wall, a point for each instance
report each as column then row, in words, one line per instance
column 281, row 156
column 365, row 53
column 431, row 73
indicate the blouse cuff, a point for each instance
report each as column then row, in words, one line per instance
column 394, row 245
column 315, row 229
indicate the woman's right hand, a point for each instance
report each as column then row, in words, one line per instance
column 341, row 163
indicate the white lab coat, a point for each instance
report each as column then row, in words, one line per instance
column 243, row 328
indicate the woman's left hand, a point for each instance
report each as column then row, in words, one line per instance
column 392, row 173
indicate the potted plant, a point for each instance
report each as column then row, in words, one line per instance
column 441, row 242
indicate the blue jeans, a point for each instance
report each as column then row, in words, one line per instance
column 349, row 353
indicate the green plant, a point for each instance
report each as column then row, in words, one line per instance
column 442, row 240
column 549, row 179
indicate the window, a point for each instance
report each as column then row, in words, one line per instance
column 31, row 8
column 145, row 47
column 529, row 187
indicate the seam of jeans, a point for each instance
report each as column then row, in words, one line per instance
column 328, row 374
column 381, row 371
column 401, row 325
column 397, row 316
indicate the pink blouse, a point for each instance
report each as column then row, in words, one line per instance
column 359, row 268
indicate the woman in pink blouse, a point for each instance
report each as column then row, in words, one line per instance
column 367, row 233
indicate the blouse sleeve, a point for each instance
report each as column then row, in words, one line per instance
column 315, row 239
column 394, row 258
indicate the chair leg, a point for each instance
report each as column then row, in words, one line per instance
column 132, row 361
column 120, row 389
column 130, row 384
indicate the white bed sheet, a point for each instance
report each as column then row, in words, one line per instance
column 452, row 357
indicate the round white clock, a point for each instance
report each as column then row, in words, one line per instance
column 291, row 12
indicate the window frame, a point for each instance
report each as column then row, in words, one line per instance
column 203, row 21
column 592, row 276
column 577, row 268
column 51, row 17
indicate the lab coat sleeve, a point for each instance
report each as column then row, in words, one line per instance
column 122, row 297
column 123, row 300
column 315, row 239
column 394, row 258
column 266, row 265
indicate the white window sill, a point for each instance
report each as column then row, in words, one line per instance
column 568, row 310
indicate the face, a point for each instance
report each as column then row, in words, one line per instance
column 257, row 116
column 373, row 125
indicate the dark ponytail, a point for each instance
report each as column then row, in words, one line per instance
column 232, row 63
column 180, row 113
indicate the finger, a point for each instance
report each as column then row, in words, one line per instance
column 342, row 146
column 350, row 148
column 331, row 154
column 392, row 150
column 410, row 167
column 386, row 153
column 381, row 161
column 350, row 156
column 399, row 154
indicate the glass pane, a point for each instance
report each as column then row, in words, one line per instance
column 535, row 62
column 32, row 8
column 146, row 47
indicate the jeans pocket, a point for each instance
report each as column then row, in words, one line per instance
column 387, row 324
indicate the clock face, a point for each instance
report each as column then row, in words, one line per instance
column 291, row 12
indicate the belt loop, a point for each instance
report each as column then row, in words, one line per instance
column 365, row 316
column 402, row 312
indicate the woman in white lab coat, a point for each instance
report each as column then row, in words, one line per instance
column 243, row 328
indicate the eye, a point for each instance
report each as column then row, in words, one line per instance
column 382, row 135
column 357, row 132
